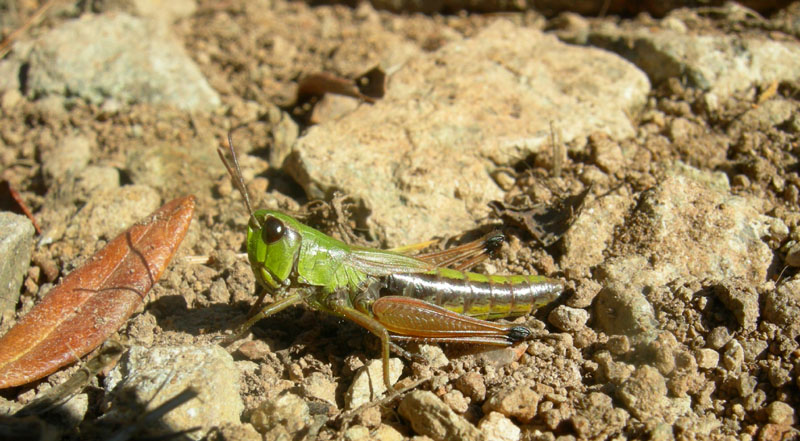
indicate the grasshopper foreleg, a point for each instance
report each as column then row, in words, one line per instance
column 265, row 312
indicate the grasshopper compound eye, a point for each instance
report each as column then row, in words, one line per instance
column 273, row 230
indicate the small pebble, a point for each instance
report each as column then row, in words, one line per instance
column 521, row 403
column 619, row 344
column 779, row 412
column 793, row 255
column 707, row 358
column 472, row 385
column 719, row 337
column 497, row 427
column 568, row 319
column 387, row 433
column 428, row 415
column 455, row 399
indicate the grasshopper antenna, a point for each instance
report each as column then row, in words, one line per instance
column 236, row 174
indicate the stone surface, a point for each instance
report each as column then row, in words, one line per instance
column 645, row 396
column 497, row 427
column 691, row 226
column 288, row 412
column 742, row 300
column 520, row 403
column 568, row 319
column 168, row 11
column 70, row 157
column 623, row 310
column 707, row 358
column 153, row 375
column 597, row 418
column 141, row 62
column 473, row 386
column 368, row 382
column 593, row 231
column 495, row 98
column 719, row 64
column 108, row 212
column 782, row 306
column 429, row 416
column 16, row 243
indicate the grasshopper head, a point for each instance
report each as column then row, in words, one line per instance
column 273, row 244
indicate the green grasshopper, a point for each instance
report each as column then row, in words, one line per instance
column 395, row 296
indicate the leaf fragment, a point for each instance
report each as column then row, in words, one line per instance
column 93, row 301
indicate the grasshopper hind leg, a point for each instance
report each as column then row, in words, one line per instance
column 338, row 305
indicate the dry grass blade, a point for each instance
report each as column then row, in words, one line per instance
column 93, row 301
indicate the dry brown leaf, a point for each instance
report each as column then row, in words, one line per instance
column 93, row 301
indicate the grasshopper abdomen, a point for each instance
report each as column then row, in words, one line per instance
column 476, row 295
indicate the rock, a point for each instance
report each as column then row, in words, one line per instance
column 619, row 344
column 368, row 382
column 606, row 153
column 517, row 402
column 10, row 68
column 719, row 64
column 455, row 399
column 110, row 211
column 496, row 95
column 10, row 99
column 387, row 433
column 16, row 243
column 707, row 358
column 141, row 62
column 174, row 169
column 71, row 155
column 615, row 372
column 645, row 396
column 779, row 412
column 733, row 356
column 93, row 179
column 288, row 411
column 597, row 418
column 742, row 300
column 318, row 386
column 497, row 427
column 623, row 310
column 719, row 337
column 472, row 385
column 672, row 243
column 782, row 306
column 428, row 415
column 793, row 255
column 254, row 350
column 568, row 319
column 433, row 355
column 765, row 117
column 356, row 433
column 235, row 431
column 168, row 12
column 149, row 376
column 593, row 231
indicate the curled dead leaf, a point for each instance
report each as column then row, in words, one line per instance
column 93, row 301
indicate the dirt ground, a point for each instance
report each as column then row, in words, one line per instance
column 578, row 382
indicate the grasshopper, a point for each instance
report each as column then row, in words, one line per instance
column 396, row 297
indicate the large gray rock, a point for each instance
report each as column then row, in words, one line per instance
column 151, row 376
column 421, row 159
column 16, row 242
column 690, row 226
column 120, row 57
column 720, row 64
